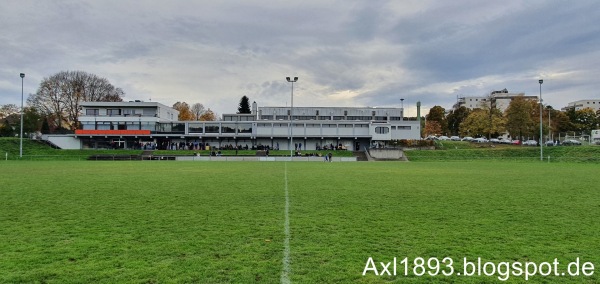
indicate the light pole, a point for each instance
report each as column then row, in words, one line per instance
column 541, row 144
column 22, row 110
column 292, row 114
column 549, row 125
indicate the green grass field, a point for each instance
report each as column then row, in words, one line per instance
column 223, row 222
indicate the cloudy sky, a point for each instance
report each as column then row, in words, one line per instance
column 345, row 53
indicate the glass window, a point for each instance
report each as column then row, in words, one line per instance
column 245, row 128
column 113, row 112
column 93, row 111
column 228, row 128
column 195, row 127
column 382, row 130
column 212, row 128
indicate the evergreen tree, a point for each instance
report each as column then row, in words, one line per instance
column 244, row 106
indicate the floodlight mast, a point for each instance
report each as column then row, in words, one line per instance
column 541, row 111
column 22, row 111
column 292, row 115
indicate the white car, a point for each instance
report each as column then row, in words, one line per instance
column 468, row 138
column 455, row 138
column 480, row 140
column 444, row 138
column 530, row 143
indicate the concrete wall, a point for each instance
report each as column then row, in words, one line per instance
column 63, row 141
column 386, row 154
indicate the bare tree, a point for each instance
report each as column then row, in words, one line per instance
column 59, row 96
column 197, row 110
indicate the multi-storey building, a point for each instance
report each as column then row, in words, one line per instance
column 497, row 99
column 132, row 124
column 581, row 104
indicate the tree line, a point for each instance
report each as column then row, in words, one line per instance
column 521, row 119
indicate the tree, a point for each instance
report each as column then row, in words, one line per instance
column 438, row 113
column 197, row 111
column 585, row 120
column 244, row 106
column 185, row 113
column 432, row 128
column 59, row 96
column 455, row 118
column 32, row 121
column 208, row 115
column 480, row 123
column 6, row 129
column 519, row 120
column 7, row 110
column 45, row 126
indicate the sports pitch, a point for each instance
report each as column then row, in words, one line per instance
column 225, row 222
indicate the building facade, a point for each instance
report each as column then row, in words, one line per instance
column 582, row 104
column 497, row 99
column 134, row 125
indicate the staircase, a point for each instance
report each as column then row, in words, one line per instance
column 146, row 155
column 360, row 156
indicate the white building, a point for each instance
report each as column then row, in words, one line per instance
column 498, row 99
column 582, row 104
column 131, row 124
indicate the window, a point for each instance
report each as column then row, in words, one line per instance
column 403, row 127
column 382, row 130
column 149, row 112
column 264, row 125
column 195, row 128
column 93, row 111
column 281, row 117
column 245, row 128
column 128, row 112
column 266, row 117
column 317, row 113
column 345, row 113
column 228, row 129
column 380, row 118
column 111, row 112
column 338, row 118
column 212, row 128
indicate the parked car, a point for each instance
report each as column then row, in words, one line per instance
column 571, row 142
column 530, row 143
column 455, row 138
column 516, row 142
column 550, row 143
column 444, row 138
column 468, row 138
column 480, row 140
column 506, row 141
column 431, row 137
column 495, row 140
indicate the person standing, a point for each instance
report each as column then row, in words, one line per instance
column 330, row 156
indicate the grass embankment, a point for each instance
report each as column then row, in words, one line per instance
column 38, row 150
column 473, row 151
column 223, row 222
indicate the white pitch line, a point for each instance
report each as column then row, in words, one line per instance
column 285, row 272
